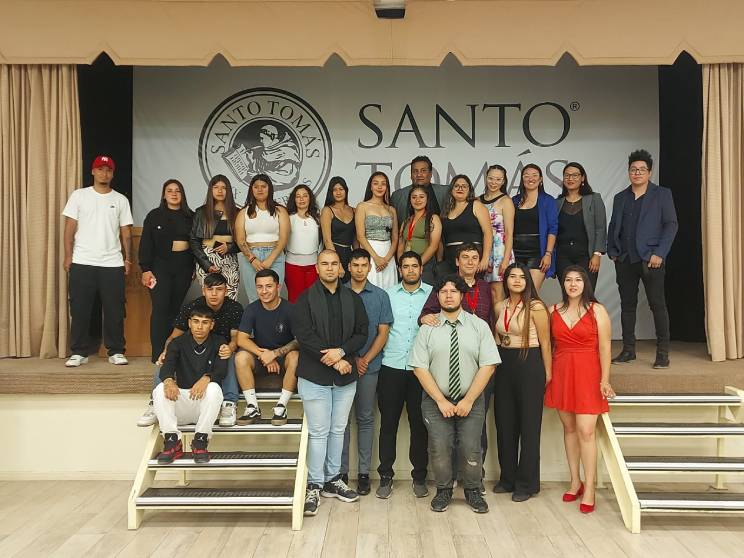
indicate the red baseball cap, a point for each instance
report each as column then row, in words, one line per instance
column 104, row 161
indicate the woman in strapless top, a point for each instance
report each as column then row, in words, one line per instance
column 337, row 223
column 377, row 230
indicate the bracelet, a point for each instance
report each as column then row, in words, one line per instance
column 549, row 254
column 252, row 259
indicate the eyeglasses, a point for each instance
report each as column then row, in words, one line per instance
column 572, row 176
column 636, row 170
column 461, row 187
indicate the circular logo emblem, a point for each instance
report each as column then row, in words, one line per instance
column 266, row 131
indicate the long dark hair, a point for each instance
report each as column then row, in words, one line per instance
column 368, row 191
column 329, row 201
column 540, row 188
column 250, row 200
column 584, row 189
column 504, row 186
column 312, row 209
column 428, row 210
column 184, row 207
column 530, row 300
column 230, row 210
column 449, row 204
column 587, row 295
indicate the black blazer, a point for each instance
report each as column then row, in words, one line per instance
column 657, row 224
column 595, row 221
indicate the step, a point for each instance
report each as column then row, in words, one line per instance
column 690, row 501
column 687, row 464
column 678, row 429
column 232, row 460
column 272, row 396
column 263, row 425
column 651, row 399
column 165, row 497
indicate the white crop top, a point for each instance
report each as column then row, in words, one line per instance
column 304, row 241
column 262, row 228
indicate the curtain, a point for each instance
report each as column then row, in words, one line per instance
column 40, row 154
column 723, row 209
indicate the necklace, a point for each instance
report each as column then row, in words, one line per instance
column 473, row 300
column 505, row 339
column 203, row 348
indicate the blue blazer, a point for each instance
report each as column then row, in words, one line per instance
column 657, row 224
column 547, row 211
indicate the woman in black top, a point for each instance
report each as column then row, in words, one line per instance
column 166, row 260
column 465, row 220
column 337, row 223
column 212, row 240
column 582, row 224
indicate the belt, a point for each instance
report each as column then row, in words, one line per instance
column 342, row 245
column 463, row 242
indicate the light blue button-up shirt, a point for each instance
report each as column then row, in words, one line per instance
column 406, row 310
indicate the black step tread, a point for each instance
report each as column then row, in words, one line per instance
column 262, row 425
column 159, row 497
column 222, row 492
column 227, row 459
column 684, row 463
column 692, row 500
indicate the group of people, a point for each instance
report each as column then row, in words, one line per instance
column 426, row 298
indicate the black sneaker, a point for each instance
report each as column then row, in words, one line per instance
column 385, row 489
column 337, row 488
column 499, row 488
column 441, row 501
column 173, row 449
column 363, row 486
column 345, row 477
column 482, row 488
column 419, row 489
column 625, row 355
column 251, row 415
column 475, row 500
column 312, row 499
column 199, row 448
column 280, row 415
column 662, row 361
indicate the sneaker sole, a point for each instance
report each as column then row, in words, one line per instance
column 278, row 422
column 444, row 509
column 227, row 423
column 310, row 513
column 145, row 425
column 383, row 497
column 477, row 510
column 245, row 422
column 342, row 498
column 118, row 363
column 76, row 365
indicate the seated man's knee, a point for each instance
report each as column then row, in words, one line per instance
column 159, row 392
column 214, row 392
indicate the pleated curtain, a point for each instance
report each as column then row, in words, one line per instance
column 40, row 154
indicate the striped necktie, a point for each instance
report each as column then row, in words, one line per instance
column 454, row 363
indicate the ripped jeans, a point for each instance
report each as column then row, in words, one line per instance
column 442, row 435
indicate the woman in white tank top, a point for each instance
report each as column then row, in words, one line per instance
column 262, row 231
column 304, row 241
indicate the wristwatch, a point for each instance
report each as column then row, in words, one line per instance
column 341, row 352
column 598, row 254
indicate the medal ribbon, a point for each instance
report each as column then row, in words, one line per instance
column 473, row 300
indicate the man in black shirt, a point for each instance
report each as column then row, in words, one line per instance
column 330, row 325
column 267, row 346
column 421, row 172
column 190, row 389
column 227, row 314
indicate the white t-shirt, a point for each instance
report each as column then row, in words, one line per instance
column 99, row 217
column 304, row 241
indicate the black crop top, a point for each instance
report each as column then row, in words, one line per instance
column 161, row 227
column 463, row 228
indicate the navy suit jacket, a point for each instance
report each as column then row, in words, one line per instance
column 657, row 224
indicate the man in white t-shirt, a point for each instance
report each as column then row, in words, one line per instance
column 98, row 227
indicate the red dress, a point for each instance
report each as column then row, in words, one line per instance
column 576, row 369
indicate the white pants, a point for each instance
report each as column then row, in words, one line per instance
column 184, row 410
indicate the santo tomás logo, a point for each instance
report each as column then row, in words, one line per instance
column 266, row 131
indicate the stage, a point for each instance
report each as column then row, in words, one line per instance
column 691, row 371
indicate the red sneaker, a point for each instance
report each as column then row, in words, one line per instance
column 172, row 450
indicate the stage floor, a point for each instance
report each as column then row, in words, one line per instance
column 691, row 371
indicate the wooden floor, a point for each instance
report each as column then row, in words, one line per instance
column 88, row 518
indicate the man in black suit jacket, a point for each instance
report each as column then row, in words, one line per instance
column 640, row 235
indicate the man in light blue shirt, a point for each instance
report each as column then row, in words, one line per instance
column 397, row 385
column 368, row 361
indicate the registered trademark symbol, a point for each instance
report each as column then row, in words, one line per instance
column 574, row 106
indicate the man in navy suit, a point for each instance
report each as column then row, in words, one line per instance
column 640, row 235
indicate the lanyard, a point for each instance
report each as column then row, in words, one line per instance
column 411, row 226
column 473, row 301
column 508, row 320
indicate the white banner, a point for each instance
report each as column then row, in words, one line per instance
column 304, row 125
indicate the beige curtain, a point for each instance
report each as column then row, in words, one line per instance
column 723, row 209
column 40, row 156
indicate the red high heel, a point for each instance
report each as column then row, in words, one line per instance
column 586, row 508
column 568, row 497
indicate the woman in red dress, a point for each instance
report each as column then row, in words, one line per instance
column 580, row 385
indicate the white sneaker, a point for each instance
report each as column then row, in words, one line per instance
column 228, row 414
column 118, row 358
column 76, row 360
column 149, row 417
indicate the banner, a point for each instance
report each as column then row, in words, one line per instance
column 304, row 125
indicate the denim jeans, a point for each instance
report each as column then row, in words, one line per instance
column 445, row 434
column 327, row 412
column 364, row 409
column 229, row 384
column 248, row 274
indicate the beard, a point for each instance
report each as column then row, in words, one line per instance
column 451, row 308
column 410, row 281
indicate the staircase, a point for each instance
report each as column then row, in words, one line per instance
column 623, row 469
column 250, row 465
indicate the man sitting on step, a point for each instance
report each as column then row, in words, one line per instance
column 227, row 314
column 190, row 389
column 267, row 346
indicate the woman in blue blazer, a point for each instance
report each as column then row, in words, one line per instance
column 535, row 225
